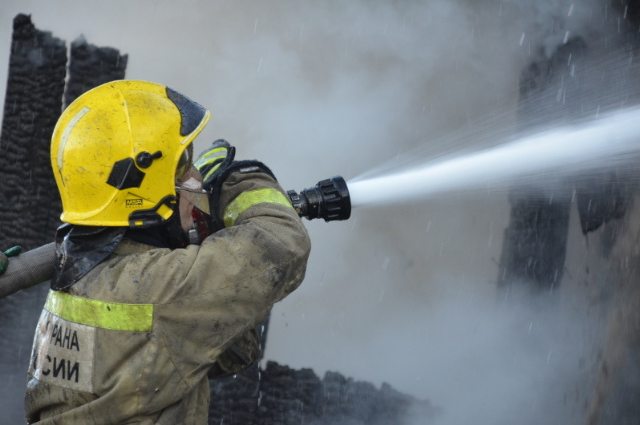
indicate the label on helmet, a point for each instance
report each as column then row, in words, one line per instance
column 132, row 203
column 62, row 353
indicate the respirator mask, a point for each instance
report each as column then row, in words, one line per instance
column 189, row 188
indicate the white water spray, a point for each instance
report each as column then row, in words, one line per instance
column 570, row 151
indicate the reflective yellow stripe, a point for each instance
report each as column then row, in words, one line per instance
column 208, row 158
column 246, row 200
column 99, row 314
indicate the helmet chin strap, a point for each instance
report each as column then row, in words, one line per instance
column 172, row 230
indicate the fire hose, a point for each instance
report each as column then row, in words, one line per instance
column 329, row 200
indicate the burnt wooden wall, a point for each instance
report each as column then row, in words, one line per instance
column 581, row 80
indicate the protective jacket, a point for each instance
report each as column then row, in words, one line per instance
column 134, row 339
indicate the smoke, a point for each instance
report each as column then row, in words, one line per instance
column 403, row 294
column 498, row 361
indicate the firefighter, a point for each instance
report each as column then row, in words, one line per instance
column 162, row 275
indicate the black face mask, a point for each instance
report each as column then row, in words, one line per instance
column 79, row 249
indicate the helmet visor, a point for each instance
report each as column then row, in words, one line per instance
column 189, row 186
column 185, row 162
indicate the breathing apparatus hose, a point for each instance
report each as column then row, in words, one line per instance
column 28, row 269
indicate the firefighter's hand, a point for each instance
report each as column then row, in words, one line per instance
column 213, row 160
column 4, row 257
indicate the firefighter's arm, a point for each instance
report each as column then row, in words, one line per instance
column 238, row 273
column 258, row 215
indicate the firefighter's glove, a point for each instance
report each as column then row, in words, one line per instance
column 212, row 161
column 4, row 257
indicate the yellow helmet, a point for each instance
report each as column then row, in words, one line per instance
column 115, row 151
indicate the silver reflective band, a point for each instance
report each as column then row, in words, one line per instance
column 199, row 199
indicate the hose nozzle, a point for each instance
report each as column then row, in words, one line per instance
column 329, row 199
